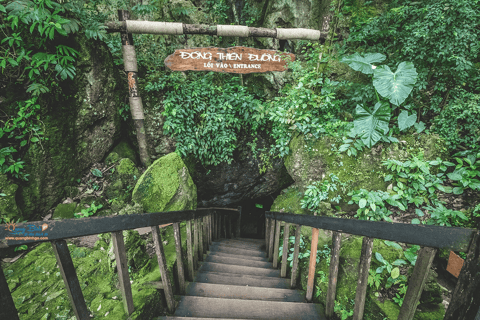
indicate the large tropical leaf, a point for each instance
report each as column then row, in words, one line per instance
column 405, row 121
column 363, row 64
column 395, row 86
column 371, row 126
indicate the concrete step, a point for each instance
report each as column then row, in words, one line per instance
column 254, row 247
column 229, row 255
column 239, row 261
column 243, row 292
column 237, row 251
column 228, row 268
column 242, row 280
column 246, row 243
column 191, row 306
column 193, row 318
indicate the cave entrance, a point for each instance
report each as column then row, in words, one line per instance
column 253, row 216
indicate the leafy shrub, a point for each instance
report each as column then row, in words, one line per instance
column 320, row 191
column 206, row 118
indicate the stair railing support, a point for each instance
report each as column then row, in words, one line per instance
column 239, row 223
column 267, row 232
column 162, row 264
column 276, row 244
column 8, row 309
column 270, row 243
column 312, row 264
column 122, row 271
column 178, row 249
column 286, row 234
column 364, row 266
column 296, row 251
column 333, row 276
column 191, row 262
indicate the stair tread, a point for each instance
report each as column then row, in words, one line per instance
column 242, row 292
column 242, row 280
column 239, row 251
column 239, row 261
column 224, row 254
column 248, row 309
column 236, row 269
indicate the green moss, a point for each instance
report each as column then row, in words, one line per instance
column 124, row 150
column 111, row 158
column 158, row 185
column 8, row 205
column 289, row 201
column 65, row 211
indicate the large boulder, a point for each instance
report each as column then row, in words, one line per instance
column 166, row 186
column 81, row 123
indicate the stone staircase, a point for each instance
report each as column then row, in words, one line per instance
column 236, row 281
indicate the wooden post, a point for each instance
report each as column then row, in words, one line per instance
column 267, row 232
column 198, row 222
column 465, row 303
column 122, row 270
column 196, row 251
column 178, row 249
column 205, row 234
column 230, row 227
column 276, row 244
column 364, row 266
column 136, row 106
column 270, row 245
column 210, row 229
column 162, row 264
column 416, row 283
column 312, row 265
column 286, row 233
column 332, row 281
column 69, row 275
column 191, row 263
column 296, row 251
column 238, row 232
column 8, row 310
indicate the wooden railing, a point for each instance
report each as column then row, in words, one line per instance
column 466, row 296
column 208, row 224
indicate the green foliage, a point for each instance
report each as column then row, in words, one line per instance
column 29, row 55
column 307, row 105
column 207, row 118
column 87, row 212
column 372, row 204
column 344, row 307
column 319, row 191
column 466, row 174
column 371, row 126
column 363, row 64
column 218, row 10
column 439, row 215
column 395, row 86
column 459, row 122
column 303, row 253
column 441, row 39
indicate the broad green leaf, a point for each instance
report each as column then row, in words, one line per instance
column 395, row 86
column 419, row 126
column 395, row 273
column 393, row 244
column 405, row 121
column 379, row 257
column 363, row 64
column 399, row 262
column 419, row 212
column 362, row 203
column 371, row 126
column 415, row 221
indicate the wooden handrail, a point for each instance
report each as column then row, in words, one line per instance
column 429, row 237
column 58, row 230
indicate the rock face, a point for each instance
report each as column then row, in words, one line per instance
column 8, row 206
column 81, row 125
column 314, row 161
column 166, row 186
column 247, row 177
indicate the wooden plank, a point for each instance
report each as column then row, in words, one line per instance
column 162, row 265
column 209, row 217
column 205, row 234
column 267, row 230
column 312, row 265
column 196, row 251
column 8, row 309
column 69, row 275
column 296, row 251
column 465, row 303
column 200, row 237
column 178, row 249
column 276, row 243
column 270, row 245
column 286, row 233
column 239, row 223
column 456, row 239
column 191, row 263
column 364, row 266
column 416, row 283
column 122, row 271
column 71, row 228
column 332, row 278
column 229, row 60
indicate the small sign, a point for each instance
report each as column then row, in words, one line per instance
column 455, row 264
column 229, row 60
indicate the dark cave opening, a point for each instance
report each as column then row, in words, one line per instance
column 253, row 216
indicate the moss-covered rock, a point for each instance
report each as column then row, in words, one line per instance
column 166, row 185
column 289, row 201
column 311, row 161
column 65, row 211
column 125, row 150
column 122, row 181
column 8, row 205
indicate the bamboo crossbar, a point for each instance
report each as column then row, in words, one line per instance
column 176, row 28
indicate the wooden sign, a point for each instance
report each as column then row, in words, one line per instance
column 229, row 60
column 455, row 264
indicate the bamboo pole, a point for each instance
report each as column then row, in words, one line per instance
column 136, row 106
